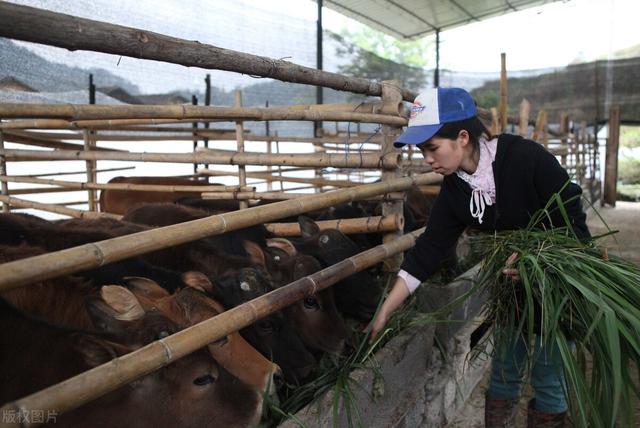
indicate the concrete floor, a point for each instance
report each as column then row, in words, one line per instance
column 625, row 218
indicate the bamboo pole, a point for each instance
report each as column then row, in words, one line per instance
column 495, row 121
column 504, row 101
column 100, row 380
column 347, row 226
column 75, row 33
column 3, row 170
column 124, row 186
column 270, row 177
column 279, row 196
column 220, row 157
column 611, row 157
column 125, row 168
column 564, row 129
column 91, row 166
column 242, row 173
column 21, row 272
column 32, row 140
column 92, row 111
column 391, row 95
column 39, row 190
column 541, row 125
column 23, row 203
column 525, row 108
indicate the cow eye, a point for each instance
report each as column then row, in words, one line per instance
column 204, row 380
column 163, row 334
column 276, row 258
column 311, row 303
column 266, row 326
column 324, row 239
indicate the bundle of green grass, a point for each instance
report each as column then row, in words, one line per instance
column 572, row 294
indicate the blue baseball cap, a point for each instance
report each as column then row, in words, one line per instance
column 432, row 109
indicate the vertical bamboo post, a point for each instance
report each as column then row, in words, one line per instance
column 611, row 157
column 582, row 152
column 391, row 95
column 269, row 148
column 242, row 171
column 279, row 166
column 319, row 149
column 194, row 101
column 541, row 128
column 91, row 165
column 503, row 92
column 3, row 171
column 207, row 102
column 525, row 108
column 495, row 122
column 564, row 129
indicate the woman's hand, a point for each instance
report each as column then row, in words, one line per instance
column 398, row 294
column 509, row 270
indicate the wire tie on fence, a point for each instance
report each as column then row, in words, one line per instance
column 315, row 284
column 99, row 253
column 167, row 349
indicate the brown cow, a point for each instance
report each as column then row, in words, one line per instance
column 315, row 318
column 190, row 392
column 62, row 301
column 190, row 306
column 119, row 201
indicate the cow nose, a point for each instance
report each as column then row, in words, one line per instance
column 278, row 379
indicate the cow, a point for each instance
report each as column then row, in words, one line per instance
column 62, row 301
column 357, row 295
column 190, row 306
column 274, row 335
column 315, row 318
column 191, row 392
column 18, row 229
column 119, row 201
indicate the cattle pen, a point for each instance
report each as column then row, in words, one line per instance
column 369, row 169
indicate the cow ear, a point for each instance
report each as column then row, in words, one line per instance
column 145, row 287
column 255, row 253
column 198, row 280
column 123, row 302
column 284, row 244
column 96, row 352
column 308, row 227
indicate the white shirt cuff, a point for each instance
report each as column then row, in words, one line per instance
column 411, row 281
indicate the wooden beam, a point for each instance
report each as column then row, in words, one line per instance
column 218, row 157
column 611, row 157
column 75, row 33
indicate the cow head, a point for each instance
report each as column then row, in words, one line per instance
column 274, row 335
column 191, row 391
column 191, row 306
column 357, row 295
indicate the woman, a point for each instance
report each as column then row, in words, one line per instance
column 490, row 183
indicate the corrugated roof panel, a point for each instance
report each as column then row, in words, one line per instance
column 417, row 18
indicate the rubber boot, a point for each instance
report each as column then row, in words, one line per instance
column 500, row 413
column 537, row 419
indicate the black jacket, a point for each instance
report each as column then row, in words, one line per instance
column 526, row 176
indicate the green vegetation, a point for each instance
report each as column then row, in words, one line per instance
column 630, row 136
column 378, row 56
column 583, row 296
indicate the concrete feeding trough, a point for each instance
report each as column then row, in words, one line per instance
column 421, row 377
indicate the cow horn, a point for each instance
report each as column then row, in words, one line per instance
column 146, row 287
column 123, row 302
column 284, row 244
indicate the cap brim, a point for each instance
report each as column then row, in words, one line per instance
column 417, row 134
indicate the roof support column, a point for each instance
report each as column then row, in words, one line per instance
column 436, row 72
column 319, row 98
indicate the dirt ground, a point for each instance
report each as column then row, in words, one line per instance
column 625, row 218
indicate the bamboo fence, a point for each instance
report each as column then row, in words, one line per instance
column 26, row 271
column 100, row 380
column 347, row 226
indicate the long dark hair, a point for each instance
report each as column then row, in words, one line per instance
column 473, row 126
